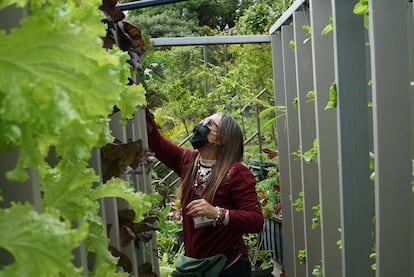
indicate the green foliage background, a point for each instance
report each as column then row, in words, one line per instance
column 199, row 80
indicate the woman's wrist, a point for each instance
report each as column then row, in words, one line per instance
column 226, row 218
column 222, row 216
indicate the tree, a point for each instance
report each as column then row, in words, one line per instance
column 216, row 14
column 258, row 18
column 169, row 23
column 201, row 79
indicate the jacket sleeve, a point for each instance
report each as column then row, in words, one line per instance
column 168, row 153
column 247, row 214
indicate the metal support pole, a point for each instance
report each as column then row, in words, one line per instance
column 392, row 137
column 307, row 135
column 287, row 222
column 356, row 190
column 326, row 129
column 295, row 174
column 144, row 4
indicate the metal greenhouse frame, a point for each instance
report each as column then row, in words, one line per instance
column 340, row 179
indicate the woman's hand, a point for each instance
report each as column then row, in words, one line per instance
column 200, row 207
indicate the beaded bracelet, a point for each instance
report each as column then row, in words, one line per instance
column 221, row 214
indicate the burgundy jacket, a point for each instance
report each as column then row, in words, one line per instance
column 237, row 193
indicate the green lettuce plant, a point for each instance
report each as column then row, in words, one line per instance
column 58, row 86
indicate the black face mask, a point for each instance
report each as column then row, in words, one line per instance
column 199, row 138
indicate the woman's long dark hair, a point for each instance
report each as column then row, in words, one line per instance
column 230, row 150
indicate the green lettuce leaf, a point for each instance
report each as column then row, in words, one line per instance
column 41, row 244
column 57, row 87
column 97, row 243
column 132, row 97
column 19, row 3
column 57, row 84
column 68, row 187
column 115, row 187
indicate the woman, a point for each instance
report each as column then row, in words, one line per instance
column 217, row 192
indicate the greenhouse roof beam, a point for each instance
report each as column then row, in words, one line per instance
column 144, row 4
column 209, row 40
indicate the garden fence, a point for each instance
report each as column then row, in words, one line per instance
column 366, row 76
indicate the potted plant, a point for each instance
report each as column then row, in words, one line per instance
column 260, row 259
column 268, row 192
column 269, row 244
